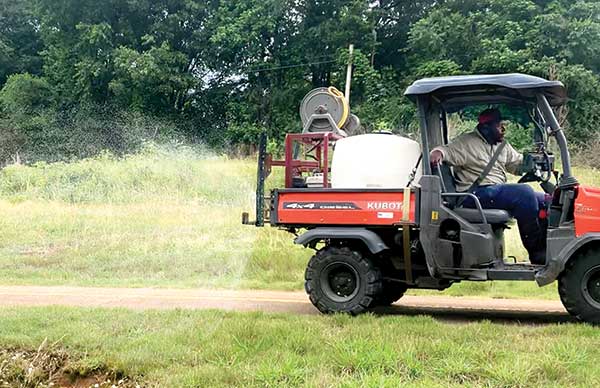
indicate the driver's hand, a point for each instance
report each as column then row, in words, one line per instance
column 435, row 157
column 528, row 164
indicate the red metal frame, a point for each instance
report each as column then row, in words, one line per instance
column 315, row 206
column 320, row 141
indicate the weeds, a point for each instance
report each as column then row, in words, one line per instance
column 50, row 366
column 217, row 349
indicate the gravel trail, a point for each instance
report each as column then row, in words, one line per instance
column 457, row 308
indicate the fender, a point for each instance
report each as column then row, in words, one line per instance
column 557, row 265
column 371, row 239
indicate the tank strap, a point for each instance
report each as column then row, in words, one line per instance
column 406, row 205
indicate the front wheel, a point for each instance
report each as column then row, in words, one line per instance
column 579, row 286
column 340, row 280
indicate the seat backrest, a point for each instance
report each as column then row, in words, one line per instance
column 444, row 171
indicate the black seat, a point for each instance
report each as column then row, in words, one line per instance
column 493, row 216
column 444, row 171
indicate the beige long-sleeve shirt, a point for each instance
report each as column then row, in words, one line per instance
column 470, row 153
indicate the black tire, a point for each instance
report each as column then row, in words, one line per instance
column 392, row 291
column 579, row 286
column 340, row 280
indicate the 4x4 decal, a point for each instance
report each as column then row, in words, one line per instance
column 321, row 205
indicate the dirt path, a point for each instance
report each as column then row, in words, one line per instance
column 274, row 301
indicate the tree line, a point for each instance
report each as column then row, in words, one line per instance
column 79, row 76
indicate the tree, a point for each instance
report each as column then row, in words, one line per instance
column 230, row 69
column 152, row 80
column 519, row 36
column 20, row 41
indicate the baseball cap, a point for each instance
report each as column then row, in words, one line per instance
column 490, row 116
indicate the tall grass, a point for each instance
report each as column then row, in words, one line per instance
column 165, row 216
column 170, row 174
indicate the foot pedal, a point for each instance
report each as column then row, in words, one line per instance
column 489, row 264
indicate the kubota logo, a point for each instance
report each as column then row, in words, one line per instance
column 582, row 209
column 384, row 205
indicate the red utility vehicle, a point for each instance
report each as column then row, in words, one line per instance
column 374, row 243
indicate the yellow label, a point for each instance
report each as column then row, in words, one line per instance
column 434, row 216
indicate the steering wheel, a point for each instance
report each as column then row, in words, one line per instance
column 539, row 169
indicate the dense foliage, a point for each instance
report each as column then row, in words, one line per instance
column 77, row 75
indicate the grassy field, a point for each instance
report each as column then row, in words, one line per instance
column 161, row 218
column 213, row 349
column 164, row 218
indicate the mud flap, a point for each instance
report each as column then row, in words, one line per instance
column 371, row 239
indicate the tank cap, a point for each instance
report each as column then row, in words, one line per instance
column 383, row 132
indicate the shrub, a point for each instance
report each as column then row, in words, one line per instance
column 25, row 93
column 588, row 156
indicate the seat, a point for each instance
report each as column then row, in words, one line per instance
column 493, row 216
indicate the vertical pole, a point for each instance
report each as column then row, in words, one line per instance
column 349, row 73
column 406, row 204
column 444, row 119
column 320, row 154
column 260, row 181
column 567, row 178
column 326, row 160
column 424, row 134
column 407, row 258
column 288, row 161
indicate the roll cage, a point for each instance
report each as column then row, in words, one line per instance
column 437, row 97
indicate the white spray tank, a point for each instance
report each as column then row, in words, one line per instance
column 375, row 160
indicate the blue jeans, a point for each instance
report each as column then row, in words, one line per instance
column 524, row 204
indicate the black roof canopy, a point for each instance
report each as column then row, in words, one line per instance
column 455, row 92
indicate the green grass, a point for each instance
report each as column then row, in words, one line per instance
column 167, row 217
column 212, row 349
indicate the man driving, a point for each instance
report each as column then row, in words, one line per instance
column 470, row 153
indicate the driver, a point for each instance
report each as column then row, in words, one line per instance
column 470, row 153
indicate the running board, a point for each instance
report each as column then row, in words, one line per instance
column 511, row 274
column 517, row 272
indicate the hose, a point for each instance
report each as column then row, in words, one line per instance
column 346, row 107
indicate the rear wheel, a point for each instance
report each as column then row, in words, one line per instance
column 579, row 286
column 340, row 280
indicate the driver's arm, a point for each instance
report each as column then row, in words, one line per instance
column 514, row 161
column 455, row 153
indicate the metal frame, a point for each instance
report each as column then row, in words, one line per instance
column 475, row 200
column 260, row 179
column 321, row 141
